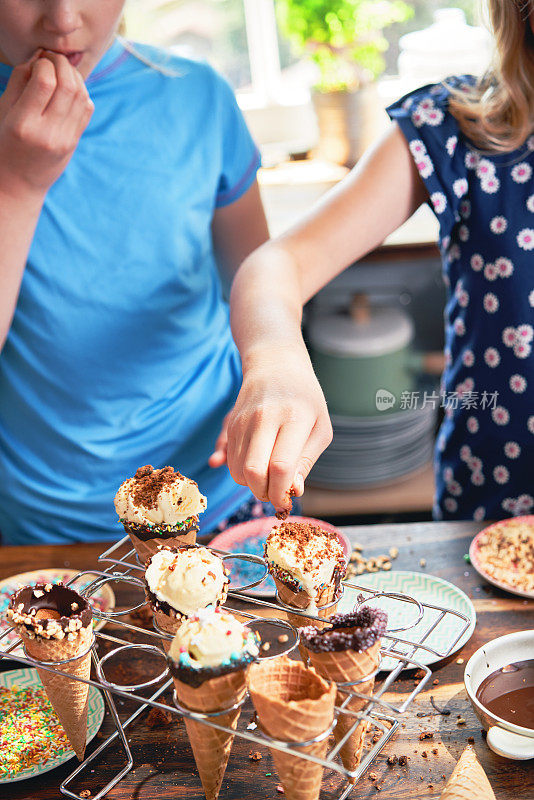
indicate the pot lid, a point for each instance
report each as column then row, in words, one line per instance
column 386, row 330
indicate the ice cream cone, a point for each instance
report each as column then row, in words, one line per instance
column 168, row 624
column 148, row 545
column 302, row 601
column 468, row 780
column 344, row 666
column 211, row 747
column 293, row 704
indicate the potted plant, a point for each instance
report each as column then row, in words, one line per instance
column 344, row 38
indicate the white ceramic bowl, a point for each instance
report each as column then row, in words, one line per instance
column 504, row 738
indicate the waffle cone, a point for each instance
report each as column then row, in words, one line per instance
column 341, row 667
column 167, row 623
column 302, row 600
column 68, row 697
column 468, row 780
column 293, row 704
column 146, row 548
column 211, row 748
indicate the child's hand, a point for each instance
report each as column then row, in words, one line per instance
column 43, row 112
column 278, row 427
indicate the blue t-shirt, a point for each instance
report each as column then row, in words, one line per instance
column 120, row 352
column 485, row 206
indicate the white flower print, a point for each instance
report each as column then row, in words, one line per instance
column 426, row 112
column 468, row 384
column 522, row 349
column 477, row 262
column 508, row 336
column 521, row 173
column 450, row 145
column 492, row 357
column 525, row 333
column 448, row 474
column 524, row 503
column 518, row 384
column 530, row 424
column 531, row 298
column 417, row 147
column 450, row 504
column 445, row 242
column 463, row 299
column 439, row 201
column 530, row 142
column 504, row 267
column 475, row 464
column 509, row 504
column 465, row 209
column 472, row 424
column 460, row 187
column 465, row 452
column 463, row 233
column 525, row 239
column 425, row 166
column 479, row 513
column 471, row 159
column 454, row 252
column 485, row 169
column 468, row 358
column 500, row 415
column 501, row 474
column 498, row 224
column 530, row 203
column 459, row 326
column 491, row 272
column 491, row 303
column 490, row 185
column 477, row 478
column 454, row 488
column 512, row 450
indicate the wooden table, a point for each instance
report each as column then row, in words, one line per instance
column 164, row 766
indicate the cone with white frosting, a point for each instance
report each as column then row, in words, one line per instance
column 468, row 780
column 293, row 704
column 209, row 658
column 159, row 507
column 181, row 580
column 348, row 651
column 55, row 624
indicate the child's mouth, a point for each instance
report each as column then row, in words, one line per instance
column 74, row 57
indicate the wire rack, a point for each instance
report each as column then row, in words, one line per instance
column 381, row 715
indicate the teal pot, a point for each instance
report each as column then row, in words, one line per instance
column 364, row 362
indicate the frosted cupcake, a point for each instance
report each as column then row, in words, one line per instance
column 159, row 507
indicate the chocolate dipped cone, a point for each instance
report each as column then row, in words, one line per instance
column 167, row 623
column 147, row 541
column 347, row 651
column 40, row 620
column 468, row 780
column 302, row 601
column 293, row 704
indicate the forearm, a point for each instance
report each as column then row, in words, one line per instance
column 19, row 214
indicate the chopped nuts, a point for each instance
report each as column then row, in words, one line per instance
column 422, row 562
column 255, row 756
column 393, row 552
column 460, row 721
column 459, row 661
column 283, row 638
column 266, row 646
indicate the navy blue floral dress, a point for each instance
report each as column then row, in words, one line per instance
column 485, row 207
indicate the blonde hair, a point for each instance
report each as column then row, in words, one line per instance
column 497, row 113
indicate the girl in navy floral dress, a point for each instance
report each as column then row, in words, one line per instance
column 466, row 147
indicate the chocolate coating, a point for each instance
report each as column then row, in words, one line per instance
column 195, row 677
column 145, row 533
column 24, row 606
column 358, row 631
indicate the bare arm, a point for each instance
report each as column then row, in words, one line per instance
column 43, row 112
column 280, row 423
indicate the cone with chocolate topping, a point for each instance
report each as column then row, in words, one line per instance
column 468, row 780
column 55, row 624
column 159, row 507
column 209, row 658
column 348, row 651
column 294, row 704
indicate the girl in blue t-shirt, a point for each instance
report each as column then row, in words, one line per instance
column 127, row 178
column 467, row 147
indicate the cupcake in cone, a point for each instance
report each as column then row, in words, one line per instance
column 293, row 704
column 209, row 658
column 307, row 564
column 55, row 624
column 181, row 580
column 157, row 507
column 348, row 650
column 468, row 780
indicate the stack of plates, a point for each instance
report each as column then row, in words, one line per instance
column 369, row 450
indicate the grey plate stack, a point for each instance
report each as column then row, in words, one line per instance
column 374, row 450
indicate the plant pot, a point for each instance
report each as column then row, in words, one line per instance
column 347, row 123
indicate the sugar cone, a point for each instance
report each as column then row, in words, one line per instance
column 211, row 748
column 68, row 697
column 146, row 548
column 293, row 704
column 344, row 666
column 167, row 623
column 302, row 600
column 468, row 780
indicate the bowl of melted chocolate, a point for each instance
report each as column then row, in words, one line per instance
column 499, row 679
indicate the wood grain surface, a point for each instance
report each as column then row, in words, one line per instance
column 163, row 763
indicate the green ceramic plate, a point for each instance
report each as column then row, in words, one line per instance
column 29, row 678
column 426, row 589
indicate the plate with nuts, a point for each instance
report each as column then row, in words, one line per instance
column 503, row 554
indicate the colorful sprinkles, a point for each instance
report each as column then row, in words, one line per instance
column 30, row 732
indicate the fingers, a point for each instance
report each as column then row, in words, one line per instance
column 39, row 89
column 67, row 86
column 285, row 457
column 256, row 458
column 219, row 455
column 18, row 80
column 318, row 441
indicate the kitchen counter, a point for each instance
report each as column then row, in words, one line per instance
column 163, row 763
